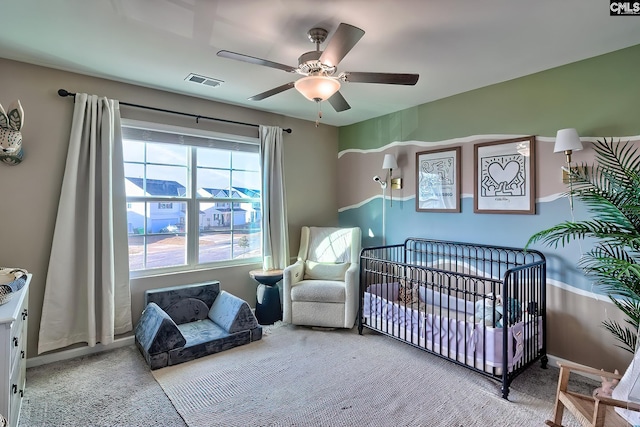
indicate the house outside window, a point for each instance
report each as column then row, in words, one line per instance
column 193, row 198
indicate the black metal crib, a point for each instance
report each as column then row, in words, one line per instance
column 480, row 306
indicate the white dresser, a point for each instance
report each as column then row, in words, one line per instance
column 13, row 353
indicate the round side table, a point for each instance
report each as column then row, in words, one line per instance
column 268, row 307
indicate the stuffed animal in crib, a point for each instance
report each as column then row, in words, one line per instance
column 488, row 311
column 10, row 136
column 408, row 293
column 511, row 312
column 607, row 386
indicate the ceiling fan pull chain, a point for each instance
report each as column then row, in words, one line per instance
column 319, row 113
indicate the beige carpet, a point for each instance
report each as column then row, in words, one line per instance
column 108, row 389
column 296, row 376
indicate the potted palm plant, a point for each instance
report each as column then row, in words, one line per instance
column 611, row 192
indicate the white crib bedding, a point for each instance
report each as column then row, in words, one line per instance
column 445, row 325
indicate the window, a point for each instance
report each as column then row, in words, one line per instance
column 193, row 198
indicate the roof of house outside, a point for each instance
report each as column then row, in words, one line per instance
column 236, row 192
column 160, row 187
column 250, row 192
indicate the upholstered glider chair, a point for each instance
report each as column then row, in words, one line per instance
column 322, row 287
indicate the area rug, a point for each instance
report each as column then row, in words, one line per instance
column 297, row 376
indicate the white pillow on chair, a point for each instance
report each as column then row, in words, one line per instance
column 325, row 270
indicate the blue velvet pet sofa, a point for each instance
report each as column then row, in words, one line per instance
column 182, row 323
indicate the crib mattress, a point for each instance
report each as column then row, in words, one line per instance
column 450, row 331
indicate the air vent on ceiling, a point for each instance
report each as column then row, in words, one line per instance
column 207, row 81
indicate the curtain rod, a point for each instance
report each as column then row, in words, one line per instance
column 64, row 92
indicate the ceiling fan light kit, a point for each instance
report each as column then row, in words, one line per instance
column 317, row 88
column 318, row 68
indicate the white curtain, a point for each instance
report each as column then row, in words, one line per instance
column 87, row 296
column 275, row 235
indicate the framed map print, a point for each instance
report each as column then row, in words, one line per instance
column 504, row 176
column 438, row 180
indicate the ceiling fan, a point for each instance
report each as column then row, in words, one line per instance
column 319, row 68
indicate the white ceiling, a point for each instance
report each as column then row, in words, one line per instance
column 455, row 45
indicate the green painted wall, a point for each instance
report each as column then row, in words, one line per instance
column 598, row 96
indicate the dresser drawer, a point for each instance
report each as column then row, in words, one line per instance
column 17, row 334
column 16, row 383
column 16, row 340
column 19, row 355
column 16, row 393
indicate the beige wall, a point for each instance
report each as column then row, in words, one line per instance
column 30, row 191
column 575, row 331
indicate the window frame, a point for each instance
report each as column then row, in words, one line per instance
column 192, row 200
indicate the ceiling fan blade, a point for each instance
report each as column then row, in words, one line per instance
column 338, row 102
column 342, row 41
column 386, row 78
column 274, row 91
column 253, row 60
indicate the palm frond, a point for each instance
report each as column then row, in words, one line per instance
column 624, row 335
column 610, row 191
column 619, row 159
column 561, row 234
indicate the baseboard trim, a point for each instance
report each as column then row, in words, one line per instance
column 77, row 352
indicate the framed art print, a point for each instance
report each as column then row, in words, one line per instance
column 438, row 180
column 504, row 176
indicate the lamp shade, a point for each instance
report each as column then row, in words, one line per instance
column 567, row 140
column 317, row 88
column 389, row 162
